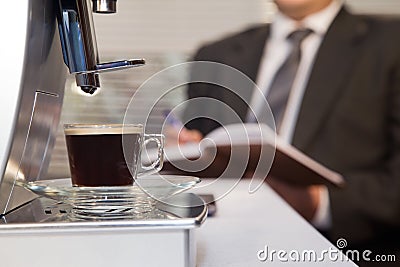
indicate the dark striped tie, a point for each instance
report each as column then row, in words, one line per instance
column 282, row 83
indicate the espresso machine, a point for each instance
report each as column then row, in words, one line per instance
column 43, row 41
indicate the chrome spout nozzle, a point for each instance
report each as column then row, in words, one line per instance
column 89, row 89
column 105, row 6
column 88, row 82
column 79, row 43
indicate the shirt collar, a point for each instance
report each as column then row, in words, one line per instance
column 319, row 22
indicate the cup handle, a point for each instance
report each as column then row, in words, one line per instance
column 157, row 165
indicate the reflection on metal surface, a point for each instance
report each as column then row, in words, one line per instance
column 189, row 211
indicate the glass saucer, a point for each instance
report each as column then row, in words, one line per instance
column 113, row 201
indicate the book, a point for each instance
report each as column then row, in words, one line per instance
column 247, row 150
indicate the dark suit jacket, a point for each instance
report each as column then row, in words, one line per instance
column 349, row 119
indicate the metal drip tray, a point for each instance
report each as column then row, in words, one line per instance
column 44, row 231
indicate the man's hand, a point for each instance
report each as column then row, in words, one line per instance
column 187, row 136
column 174, row 137
column 304, row 199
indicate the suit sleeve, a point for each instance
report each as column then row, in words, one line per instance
column 196, row 113
column 370, row 204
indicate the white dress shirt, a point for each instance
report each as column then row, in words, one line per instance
column 276, row 51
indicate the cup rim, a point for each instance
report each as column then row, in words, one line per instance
column 79, row 128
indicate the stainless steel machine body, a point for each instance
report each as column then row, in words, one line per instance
column 55, row 34
column 43, row 233
column 41, row 41
column 32, row 96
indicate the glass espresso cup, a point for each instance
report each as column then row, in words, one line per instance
column 109, row 154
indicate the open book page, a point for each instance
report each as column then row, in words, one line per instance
column 242, row 150
column 233, row 134
column 242, row 133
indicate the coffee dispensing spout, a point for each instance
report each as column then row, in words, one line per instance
column 105, row 6
column 78, row 39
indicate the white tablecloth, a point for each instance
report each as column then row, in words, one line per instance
column 247, row 223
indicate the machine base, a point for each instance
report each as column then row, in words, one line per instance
column 43, row 233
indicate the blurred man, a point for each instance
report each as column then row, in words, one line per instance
column 342, row 107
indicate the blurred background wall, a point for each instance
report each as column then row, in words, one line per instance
column 181, row 25
column 164, row 32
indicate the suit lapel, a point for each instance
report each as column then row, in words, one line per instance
column 247, row 53
column 251, row 50
column 331, row 69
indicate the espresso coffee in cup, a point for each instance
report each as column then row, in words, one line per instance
column 107, row 155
